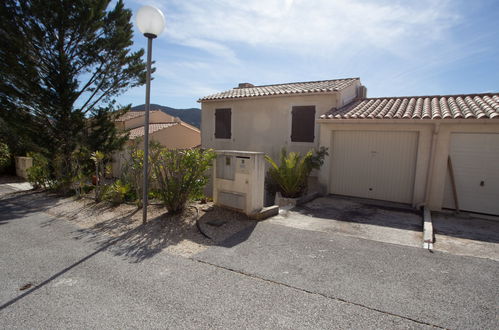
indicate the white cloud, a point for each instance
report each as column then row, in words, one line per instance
column 388, row 43
column 304, row 26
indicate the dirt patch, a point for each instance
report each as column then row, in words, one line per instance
column 178, row 234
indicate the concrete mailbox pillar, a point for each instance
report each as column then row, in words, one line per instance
column 22, row 165
column 238, row 182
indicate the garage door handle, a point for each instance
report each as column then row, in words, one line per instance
column 482, row 183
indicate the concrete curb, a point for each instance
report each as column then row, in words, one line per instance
column 427, row 229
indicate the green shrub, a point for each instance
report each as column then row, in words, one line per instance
column 180, row 175
column 117, row 193
column 39, row 173
column 4, row 156
column 291, row 176
column 132, row 171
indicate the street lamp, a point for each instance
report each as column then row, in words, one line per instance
column 151, row 23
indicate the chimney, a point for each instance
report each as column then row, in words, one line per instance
column 245, row 85
column 361, row 92
column 177, row 119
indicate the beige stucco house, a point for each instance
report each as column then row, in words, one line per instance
column 438, row 151
column 169, row 131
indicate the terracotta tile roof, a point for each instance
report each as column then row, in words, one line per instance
column 134, row 114
column 139, row 131
column 324, row 86
column 471, row 106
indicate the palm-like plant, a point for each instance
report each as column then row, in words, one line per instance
column 291, row 176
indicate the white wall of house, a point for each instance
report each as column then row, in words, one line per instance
column 263, row 124
column 439, row 131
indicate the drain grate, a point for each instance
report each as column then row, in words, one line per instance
column 25, row 286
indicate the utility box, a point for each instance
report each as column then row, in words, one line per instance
column 238, row 181
column 22, row 165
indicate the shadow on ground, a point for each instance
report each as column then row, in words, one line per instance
column 347, row 210
column 121, row 227
column 177, row 233
column 466, row 226
column 19, row 204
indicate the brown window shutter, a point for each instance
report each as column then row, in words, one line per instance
column 223, row 123
column 303, row 124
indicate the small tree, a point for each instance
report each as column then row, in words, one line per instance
column 61, row 62
column 80, row 173
column 291, row 176
column 98, row 159
column 180, row 175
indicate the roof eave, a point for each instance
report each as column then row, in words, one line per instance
column 409, row 121
column 267, row 96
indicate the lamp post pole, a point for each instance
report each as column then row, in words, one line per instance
column 146, row 128
column 151, row 22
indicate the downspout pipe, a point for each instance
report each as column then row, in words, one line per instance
column 431, row 165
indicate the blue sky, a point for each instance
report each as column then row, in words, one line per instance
column 397, row 48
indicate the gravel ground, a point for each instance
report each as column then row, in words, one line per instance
column 177, row 234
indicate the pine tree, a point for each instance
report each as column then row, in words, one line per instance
column 62, row 61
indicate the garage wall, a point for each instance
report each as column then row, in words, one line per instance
column 475, row 162
column 374, row 164
column 442, row 153
column 425, row 128
column 424, row 133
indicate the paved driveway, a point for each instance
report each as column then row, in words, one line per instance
column 269, row 276
column 355, row 218
column 433, row 288
column 466, row 234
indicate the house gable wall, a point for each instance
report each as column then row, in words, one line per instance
column 264, row 124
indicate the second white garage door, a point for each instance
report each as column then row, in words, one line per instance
column 475, row 160
column 374, row 164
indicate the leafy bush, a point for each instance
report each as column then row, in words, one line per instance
column 4, row 156
column 39, row 173
column 291, row 176
column 180, row 175
column 132, row 172
column 117, row 193
column 79, row 171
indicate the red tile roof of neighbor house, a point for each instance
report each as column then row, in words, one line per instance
column 139, row 131
column 470, row 106
column 134, row 114
column 248, row 90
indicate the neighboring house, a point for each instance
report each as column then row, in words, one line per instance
column 394, row 149
column 169, row 131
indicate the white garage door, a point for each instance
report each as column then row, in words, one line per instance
column 475, row 160
column 374, row 164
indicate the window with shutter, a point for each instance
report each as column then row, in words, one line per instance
column 303, row 124
column 223, row 123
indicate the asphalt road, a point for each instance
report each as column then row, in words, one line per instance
column 271, row 277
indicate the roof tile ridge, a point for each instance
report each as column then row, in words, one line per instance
column 435, row 95
column 305, row 82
